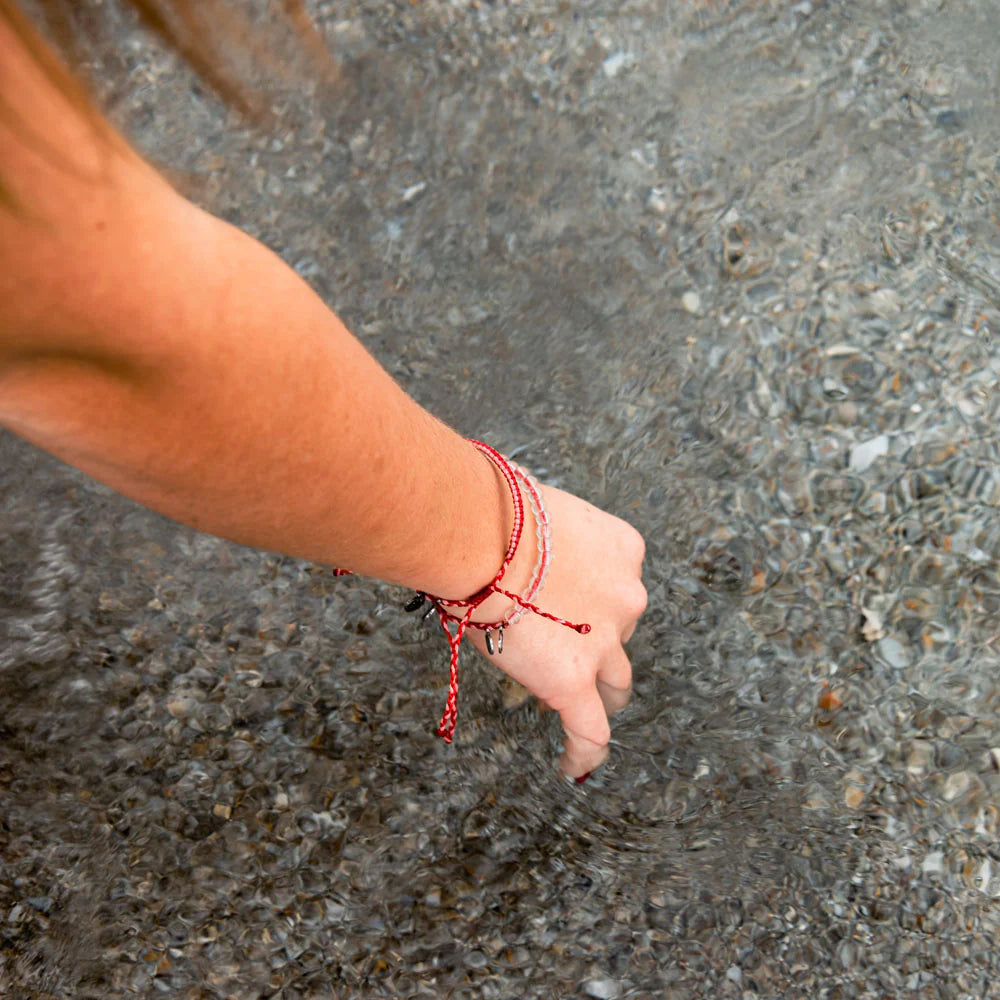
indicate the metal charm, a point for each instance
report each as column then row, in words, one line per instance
column 498, row 648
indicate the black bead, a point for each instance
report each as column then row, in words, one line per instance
column 414, row 602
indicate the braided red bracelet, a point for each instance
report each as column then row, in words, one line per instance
column 522, row 602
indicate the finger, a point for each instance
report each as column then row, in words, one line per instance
column 614, row 699
column 581, row 756
column 616, row 670
column 587, row 734
column 635, row 598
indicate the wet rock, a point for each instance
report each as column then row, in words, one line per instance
column 219, row 765
column 601, row 989
column 863, row 455
column 183, row 707
column 893, row 652
column 955, row 785
column 691, row 301
column 616, row 62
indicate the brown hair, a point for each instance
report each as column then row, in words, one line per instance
column 200, row 31
column 207, row 34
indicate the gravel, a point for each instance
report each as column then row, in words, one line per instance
column 731, row 270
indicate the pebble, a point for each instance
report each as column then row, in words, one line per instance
column 885, row 302
column 920, row 757
column 893, row 652
column 240, row 751
column 182, row 708
column 864, row 454
column 933, row 863
column 847, row 414
column 616, row 62
column 411, row 192
column 602, row 989
column 800, row 798
column 657, row 202
column 873, row 627
column 853, row 796
column 358, row 144
column 691, row 301
column 955, row 785
column 855, row 785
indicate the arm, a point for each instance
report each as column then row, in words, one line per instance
column 176, row 359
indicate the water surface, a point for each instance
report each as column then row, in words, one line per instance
column 729, row 269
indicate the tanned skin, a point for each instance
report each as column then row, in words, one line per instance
column 173, row 357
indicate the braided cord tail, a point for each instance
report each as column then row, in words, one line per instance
column 449, row 718
column 583, row 628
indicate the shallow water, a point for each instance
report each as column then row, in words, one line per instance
column 731, row 270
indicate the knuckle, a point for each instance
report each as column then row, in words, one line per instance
column 634, row 544
column 608, row 646
column 637, row 601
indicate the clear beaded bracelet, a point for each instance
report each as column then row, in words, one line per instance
column 543, row 538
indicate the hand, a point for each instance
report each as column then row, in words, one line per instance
column 594, row 577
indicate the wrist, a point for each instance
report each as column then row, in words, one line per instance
column 486, row 523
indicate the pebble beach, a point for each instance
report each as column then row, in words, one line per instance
column 727, row 268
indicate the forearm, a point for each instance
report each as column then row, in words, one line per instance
column 181, row 362
column 196, row 373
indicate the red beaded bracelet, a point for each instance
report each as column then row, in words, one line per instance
column 522, row 602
